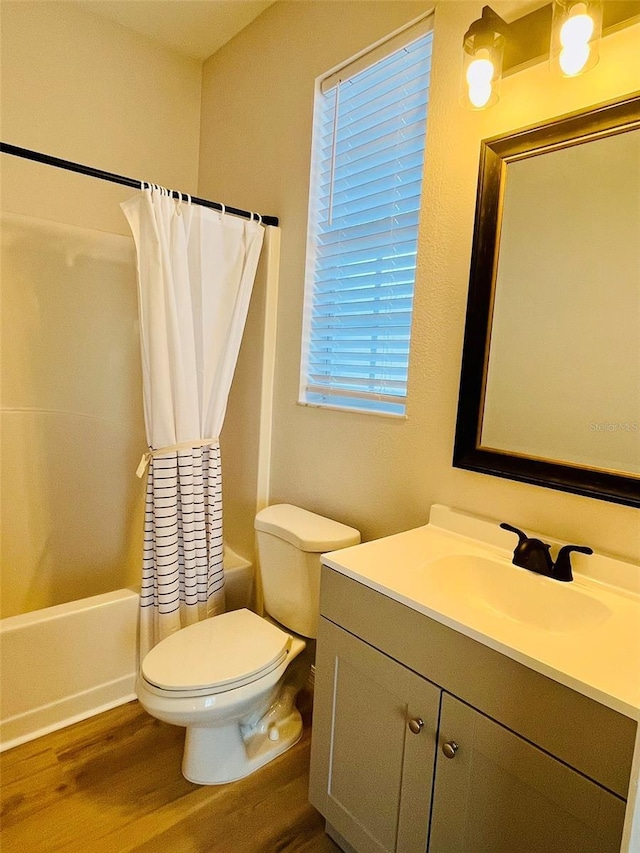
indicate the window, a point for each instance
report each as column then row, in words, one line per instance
column 368, row 154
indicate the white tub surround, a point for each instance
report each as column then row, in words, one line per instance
column 239, row 580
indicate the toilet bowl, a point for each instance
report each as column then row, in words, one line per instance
column 238, row 713
column 229, row 679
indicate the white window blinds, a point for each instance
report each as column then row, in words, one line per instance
column 366, row 181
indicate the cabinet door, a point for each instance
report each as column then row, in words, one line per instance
column 371, row 776
column 501, row 794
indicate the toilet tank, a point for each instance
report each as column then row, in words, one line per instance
column 290, row 542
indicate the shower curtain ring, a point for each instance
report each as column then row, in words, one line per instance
column 223, row 211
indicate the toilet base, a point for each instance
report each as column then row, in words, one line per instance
column 214, row 756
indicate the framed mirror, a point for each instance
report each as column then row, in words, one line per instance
column 550, row 381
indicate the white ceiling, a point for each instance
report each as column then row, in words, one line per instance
column 196, row 28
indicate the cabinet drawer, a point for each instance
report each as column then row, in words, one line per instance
column 588, row 736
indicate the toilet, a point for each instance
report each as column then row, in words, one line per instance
column 229, row 679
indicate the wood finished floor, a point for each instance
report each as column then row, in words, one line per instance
column 112, row 784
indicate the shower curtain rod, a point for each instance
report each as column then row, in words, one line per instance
column 70, row 166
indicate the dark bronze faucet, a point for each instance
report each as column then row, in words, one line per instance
column 534, row 555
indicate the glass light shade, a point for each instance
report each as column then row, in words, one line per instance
column 481, row 68
column 575, row 36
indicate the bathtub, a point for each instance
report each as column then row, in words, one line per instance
column 71, row 661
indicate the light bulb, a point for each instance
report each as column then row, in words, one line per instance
column 483, row 48
column 480, row 71
column 573, row 59
column 574, row 38
column 479, row 94
column 479, row 76
column 575, row 30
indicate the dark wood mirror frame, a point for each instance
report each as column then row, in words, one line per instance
column 604, row 120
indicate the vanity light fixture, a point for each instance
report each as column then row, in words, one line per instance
column 575, row 36
column 566, row 32
column 483, row 49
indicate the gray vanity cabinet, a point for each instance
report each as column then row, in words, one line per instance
column 375, row 726
column 500, row 794
column 503, row 759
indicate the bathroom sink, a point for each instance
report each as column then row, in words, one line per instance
column 513, row 593
column 457, row 570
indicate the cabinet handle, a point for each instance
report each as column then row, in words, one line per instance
column 450, row 748
column 415, row 725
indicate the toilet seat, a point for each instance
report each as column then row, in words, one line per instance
column 216, row 655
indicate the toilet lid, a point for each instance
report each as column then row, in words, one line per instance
column 224, row 651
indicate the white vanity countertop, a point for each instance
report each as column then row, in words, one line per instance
column 593, row 649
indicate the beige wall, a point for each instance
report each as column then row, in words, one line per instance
column 254, row 152
column 81, row 88
column 239, row 440
column 381, row 475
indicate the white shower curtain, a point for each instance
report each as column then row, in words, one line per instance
column 196, row 269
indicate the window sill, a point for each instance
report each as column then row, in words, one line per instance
column 352, row 411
